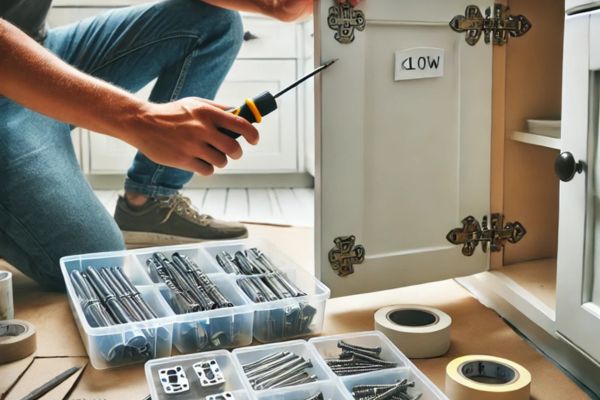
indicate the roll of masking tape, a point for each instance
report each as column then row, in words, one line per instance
column 418, row 331
column 17, row 340
column 479, row 377
column 7, row 310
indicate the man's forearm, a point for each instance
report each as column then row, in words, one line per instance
column 35, row 78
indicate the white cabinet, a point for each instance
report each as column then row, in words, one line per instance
column 578, row 306
column 267, row 61
column 406, row 150
column 403, row 161
column 276, row 151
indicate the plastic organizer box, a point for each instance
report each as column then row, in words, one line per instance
column 119, row 344
column 333, row 387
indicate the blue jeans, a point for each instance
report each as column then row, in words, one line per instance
column 47, row 209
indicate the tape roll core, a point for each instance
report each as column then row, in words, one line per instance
column 17, row 340
column 11, row 330
column 418, row 331
column 483, row 377
column 412, row 317
column 489, row 372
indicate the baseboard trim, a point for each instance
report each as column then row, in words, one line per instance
column 296, row 180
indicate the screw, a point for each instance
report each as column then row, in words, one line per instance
column 226, row 262
column 257, row 373
column 318, row 396
column 251, row 290
column 292, row 380
column 357, row 350
column 273, row 381
column 278, row 371
column 270, row 357
column 264, row 289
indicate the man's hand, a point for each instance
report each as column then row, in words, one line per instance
column 184, row 134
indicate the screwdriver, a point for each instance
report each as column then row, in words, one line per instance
column 255, row 108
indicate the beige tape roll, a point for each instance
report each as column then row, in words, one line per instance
column 480, row 377
column 418, row 331
column 17, row 340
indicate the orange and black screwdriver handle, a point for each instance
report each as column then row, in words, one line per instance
column 253, row 110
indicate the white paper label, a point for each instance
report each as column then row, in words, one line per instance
column 419, row 63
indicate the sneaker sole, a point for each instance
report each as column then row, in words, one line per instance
column 148, row 239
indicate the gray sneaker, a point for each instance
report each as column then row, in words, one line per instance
column 171, row 220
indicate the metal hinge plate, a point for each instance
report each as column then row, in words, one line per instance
column 496, row 28
column 496, row 235
column 344, row 20
column 345, row 254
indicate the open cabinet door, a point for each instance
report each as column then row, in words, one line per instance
column 578, row 291
column 403, row 143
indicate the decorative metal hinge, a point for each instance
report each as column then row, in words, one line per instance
column 345, row 254
column 496, row 28
column 344, row 19
column 471, row 234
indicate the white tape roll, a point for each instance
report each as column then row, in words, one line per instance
column 7, row 310
column 479, row 377
column 17, row 340
column 418, row 331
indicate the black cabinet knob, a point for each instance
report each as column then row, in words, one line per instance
column 249, row 36
column 565, row 166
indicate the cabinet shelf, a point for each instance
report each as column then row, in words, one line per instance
column 538, row 277
column 536, row 140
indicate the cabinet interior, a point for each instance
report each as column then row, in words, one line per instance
column 527, row 79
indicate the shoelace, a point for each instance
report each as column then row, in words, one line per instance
column 182, row 205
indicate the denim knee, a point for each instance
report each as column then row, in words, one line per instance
column 208, row 21
column 101, row 237
column 230, row 23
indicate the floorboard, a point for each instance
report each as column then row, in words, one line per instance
column 288, row 206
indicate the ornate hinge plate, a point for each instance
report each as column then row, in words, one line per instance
column 471, row 234
column 496, row 28
column 344, row 19
column 345, row 254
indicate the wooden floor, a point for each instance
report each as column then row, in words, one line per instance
column 294, row 206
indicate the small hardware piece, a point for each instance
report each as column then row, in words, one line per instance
column 345, row 254
column 471, row 234
column 398, row 390
column 173, row 380
column 496, row 28
column 344, row 19
column 221, row 396
column 209, row 373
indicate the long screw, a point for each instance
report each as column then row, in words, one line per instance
column 270, row 357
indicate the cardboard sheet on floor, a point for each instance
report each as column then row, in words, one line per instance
column 476, row 329
column 41, row 371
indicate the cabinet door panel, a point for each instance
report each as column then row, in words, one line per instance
column 578, row 282
column 400, row 163
column 276, row 151
column 271, row 38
